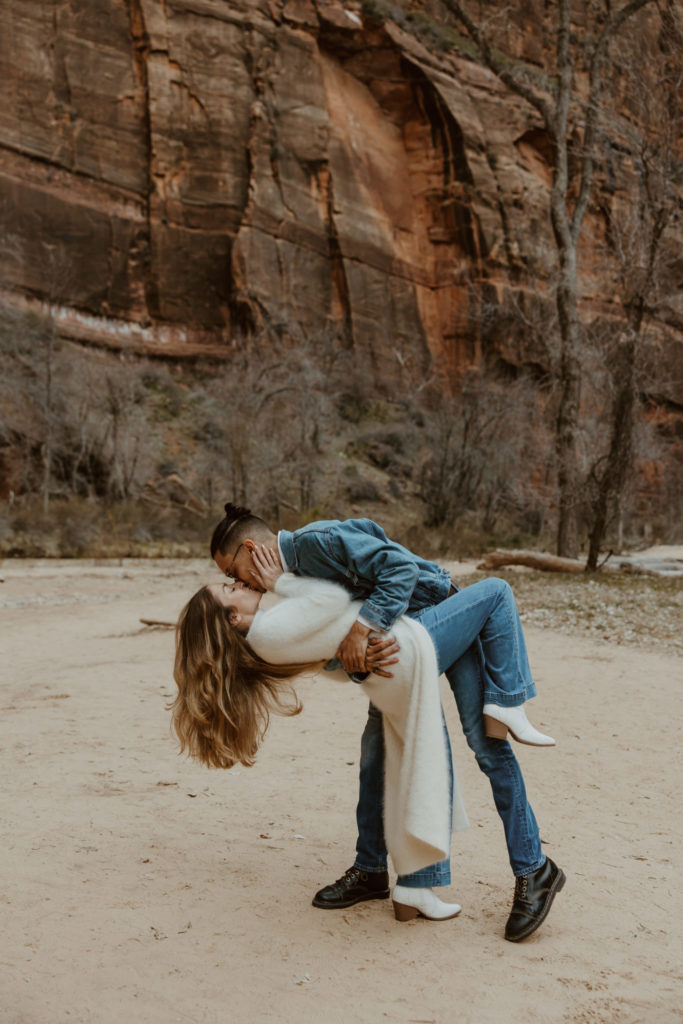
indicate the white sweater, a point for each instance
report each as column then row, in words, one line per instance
column 309, row 625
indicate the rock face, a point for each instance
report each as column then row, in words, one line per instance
column 174, row 173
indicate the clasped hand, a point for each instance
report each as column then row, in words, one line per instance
column 359, row 652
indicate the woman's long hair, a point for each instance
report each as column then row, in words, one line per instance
column 226, row 693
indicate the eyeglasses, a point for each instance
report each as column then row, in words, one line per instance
column 229, row 571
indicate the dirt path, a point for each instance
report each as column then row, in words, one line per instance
column 140, row 887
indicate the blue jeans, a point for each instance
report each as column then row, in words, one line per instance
column 480, row 646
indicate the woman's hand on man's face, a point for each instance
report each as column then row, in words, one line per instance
column 266, row 566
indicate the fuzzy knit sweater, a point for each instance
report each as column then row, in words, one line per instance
column 308, row 625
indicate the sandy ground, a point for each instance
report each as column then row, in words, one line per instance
column 138, row 886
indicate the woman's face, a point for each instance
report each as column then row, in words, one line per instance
column 236, row 595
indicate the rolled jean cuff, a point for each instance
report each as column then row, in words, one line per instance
column 425, row 879
column 510, row 700
column 376, row 870
column 534, row 867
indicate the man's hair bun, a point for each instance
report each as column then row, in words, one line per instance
column 236, row 511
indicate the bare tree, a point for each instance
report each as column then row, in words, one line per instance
column 485, row 452
column 636, row 237
column 21, row 336
column 40, row 332
column 31, row 395
column 246, row 425
column 563, row 115
column 266, row 418
column 57, row 275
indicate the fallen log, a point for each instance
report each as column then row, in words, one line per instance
column 533, row 559
column 553, row 563
column 157, row 624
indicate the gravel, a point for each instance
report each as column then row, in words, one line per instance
column 639, row 610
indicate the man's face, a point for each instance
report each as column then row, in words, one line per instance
column 237, row 563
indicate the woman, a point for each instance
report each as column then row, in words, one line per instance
column 233, row 663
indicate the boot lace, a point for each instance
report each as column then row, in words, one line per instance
column 350, row 877
column 521, row 885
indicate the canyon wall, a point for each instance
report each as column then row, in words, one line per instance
column 175, row 174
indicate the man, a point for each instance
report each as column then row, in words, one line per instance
column 392, row 581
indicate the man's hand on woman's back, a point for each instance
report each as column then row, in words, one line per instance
column 353, row 648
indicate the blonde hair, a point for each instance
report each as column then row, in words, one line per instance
column 226, row 693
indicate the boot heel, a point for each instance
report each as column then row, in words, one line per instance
column 495, row 730
column 403, row 912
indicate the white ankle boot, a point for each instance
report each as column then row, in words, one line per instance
column 409, row 903
column 499, row 720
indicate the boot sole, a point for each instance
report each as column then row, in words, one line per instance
column 557, row 885
column 404, row 912
column 496, row 730
column 383, row 894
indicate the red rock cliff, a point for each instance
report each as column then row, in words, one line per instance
column 173, row 172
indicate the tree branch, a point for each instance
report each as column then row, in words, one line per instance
column 505, row 72
column 593, row 108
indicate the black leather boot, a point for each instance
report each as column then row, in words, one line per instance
column 534, row 894
column 354, row 887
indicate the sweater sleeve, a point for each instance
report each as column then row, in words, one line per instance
column 307, row 626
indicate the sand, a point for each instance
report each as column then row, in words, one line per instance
column 138, row 886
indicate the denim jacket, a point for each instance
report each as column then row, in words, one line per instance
column 357, row 553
